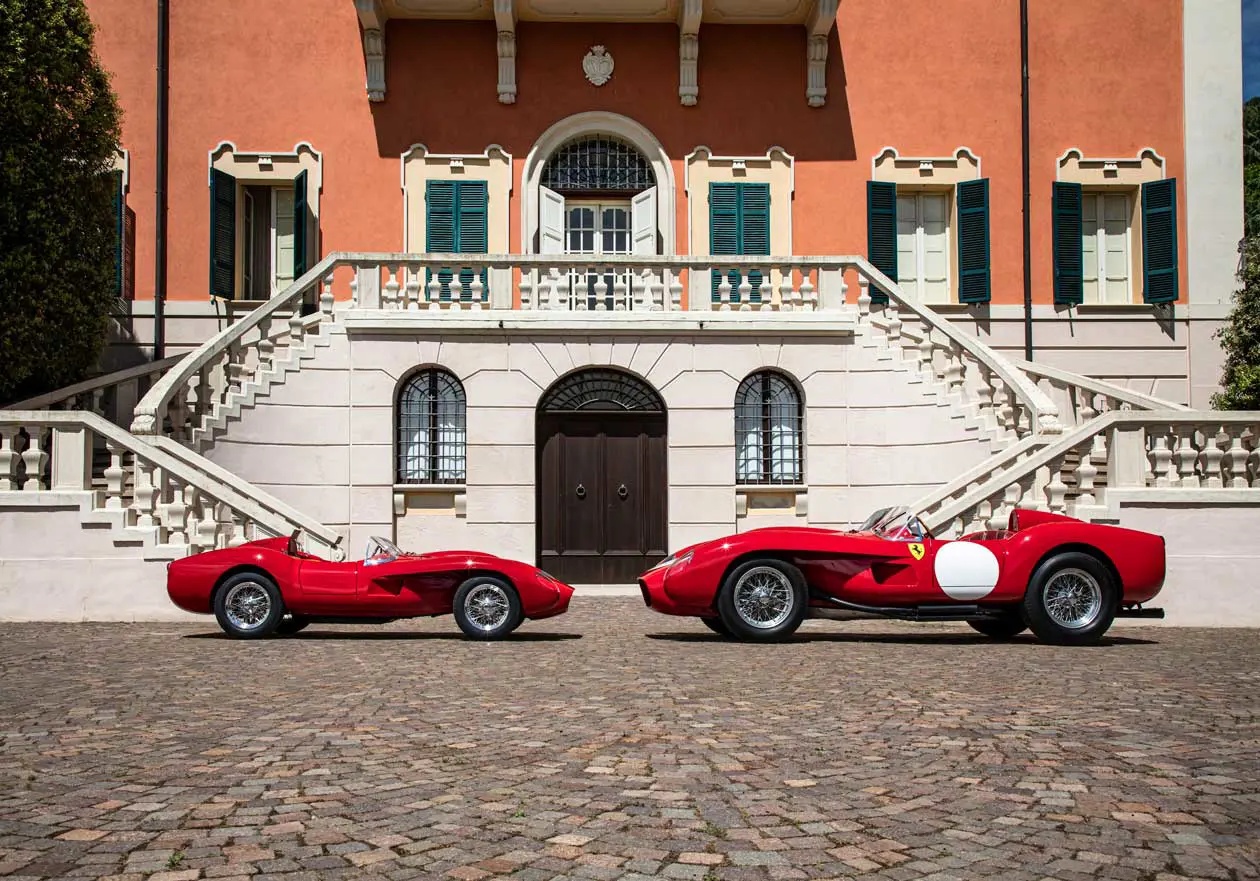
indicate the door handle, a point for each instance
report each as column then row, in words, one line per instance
column 622, row 492
column 581, row 491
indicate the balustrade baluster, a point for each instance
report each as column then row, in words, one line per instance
column 984, row 511
column 620, row 300
column 114, row 475
column 806, row 296
column 984, row 393
column 226, row 526
column 675, row 291
column 1186, row 458
column 745, row 293
column 1211, row 458
column 477, row 291
column 326, row 299
column 177, row 514
column 143, row 493
column 433, row 289
column 33, row 459
column 564, row 288
column 457, row 288
column 893, row 335
column 724, row 290
column 390, row 298
column 1161, row 457
column 266, row 348
column 1238, row 456
column 785, row 290
column 659, row 299
column 527, row 289
column 926, row 347
column 1056, row 489
column 955, row 370
column 8, row 457
column 411, row 290
column 207, row 523
column 1086, row 474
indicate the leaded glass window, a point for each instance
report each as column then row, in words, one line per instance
column 602, row 390
column 768, row 435
column 598, row 164
column 432, row 436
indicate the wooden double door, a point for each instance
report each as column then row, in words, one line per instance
column 601, row 495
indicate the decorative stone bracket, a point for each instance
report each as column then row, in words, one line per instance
column 372, row 19
column 819, row 23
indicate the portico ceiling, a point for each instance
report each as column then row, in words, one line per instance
column 817, row 16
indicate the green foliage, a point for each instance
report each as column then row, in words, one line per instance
column 1240, row 338
column 57, row 229
column 1251, row 132
column 1251, row 199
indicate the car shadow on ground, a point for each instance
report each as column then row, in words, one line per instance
column 387, row 635
column 901, row 638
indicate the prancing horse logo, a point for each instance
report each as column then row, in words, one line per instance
column 916, row 551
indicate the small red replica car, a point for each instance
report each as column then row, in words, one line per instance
column 1065, row 579
column 270, row 586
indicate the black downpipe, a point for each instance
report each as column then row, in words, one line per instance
column 159, row 250
column 1023, row 96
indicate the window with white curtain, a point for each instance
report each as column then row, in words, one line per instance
column 923, row 245
column 768, row 436
column 432, row 437
column 1105, row 241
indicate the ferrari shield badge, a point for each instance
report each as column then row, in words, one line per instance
column 916, row 550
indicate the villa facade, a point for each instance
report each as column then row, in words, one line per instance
column 581, row 283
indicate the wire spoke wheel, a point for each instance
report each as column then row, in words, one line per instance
column 1073, row 599
column 763, row 597
column 487, row 606
column 247, row 605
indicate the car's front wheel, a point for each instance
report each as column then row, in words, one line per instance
column 487, row 608
column 763, row 600
column 1071, row 600
column 1010, row 623
column 248, row 606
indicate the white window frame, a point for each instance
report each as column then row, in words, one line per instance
column 274, row 233
column 920, row 250
column 1100, row 249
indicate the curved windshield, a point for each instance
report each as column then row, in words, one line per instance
column 894, row 524
column 380, row 550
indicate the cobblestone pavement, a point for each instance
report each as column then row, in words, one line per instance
column 616, row 743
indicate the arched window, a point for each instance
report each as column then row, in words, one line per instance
column 598, row 164
column 432, row 439
column 768, row 437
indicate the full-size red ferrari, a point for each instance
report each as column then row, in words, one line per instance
column 1065, row 579
column 271, row 586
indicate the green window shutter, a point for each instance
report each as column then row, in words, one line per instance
column 1160, row 277
column 301, row 226
column 974, row 285
column 456, row 223
column 120, row 232
column 222, row 234
column 881, row 232
column 739, row 225
column 1069, row 250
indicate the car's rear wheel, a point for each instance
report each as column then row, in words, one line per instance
column 1071, row 600
column 249, row 606
column 487, row 608
column 291, row 625
column 716, row 625
column 1010, row 623
column 763, row 600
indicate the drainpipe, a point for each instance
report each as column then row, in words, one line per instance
column 159, row 250
column 1023, row 100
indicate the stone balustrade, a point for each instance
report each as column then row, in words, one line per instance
column 173, row 496
column 1081, row 398
column 1163, row 449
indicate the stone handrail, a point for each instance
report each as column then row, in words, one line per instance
column 1179, row 449
column 177, row 497
column 981, row 473
column 70, row 393
column 1088, row 397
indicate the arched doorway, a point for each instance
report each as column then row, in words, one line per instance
column 601, row 494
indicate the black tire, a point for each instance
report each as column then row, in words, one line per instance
column 479, row 608
column 716, row 625
column 784, row 579
column 1050, row 600
column 1010, row 624
column 244, row 597
column 292, row 624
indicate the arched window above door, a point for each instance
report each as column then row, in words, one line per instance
column 606, row 390
column 598, row 164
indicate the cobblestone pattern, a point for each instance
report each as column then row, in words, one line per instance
column 613, row 743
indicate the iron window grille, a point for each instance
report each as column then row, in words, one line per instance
column 598, row 164
column 432, row 433
column 768, row 431
column 608, row 390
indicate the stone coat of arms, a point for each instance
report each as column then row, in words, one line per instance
column 598, row 65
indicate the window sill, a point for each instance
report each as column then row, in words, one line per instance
column 760, row 499
column 450, row 499
column 1102, row 308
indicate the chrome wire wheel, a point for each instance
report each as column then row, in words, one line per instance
column 487, row 606
column 763, row 597
column 247, row 605
column 1073, row 599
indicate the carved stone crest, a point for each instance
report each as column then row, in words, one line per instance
column 598, row 65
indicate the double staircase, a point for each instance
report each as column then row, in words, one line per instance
column 127, row 450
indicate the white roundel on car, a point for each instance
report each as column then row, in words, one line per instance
column 966, row 570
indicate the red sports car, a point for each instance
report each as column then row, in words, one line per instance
column 271, row 586
column 1065, row 579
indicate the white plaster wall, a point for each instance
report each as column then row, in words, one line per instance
column 323, row 440
column 55, row 569
column 1213, row 557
